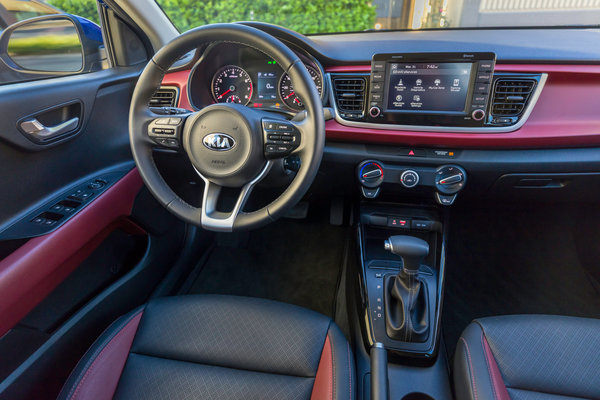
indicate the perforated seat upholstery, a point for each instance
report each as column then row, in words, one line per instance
column 216, row 347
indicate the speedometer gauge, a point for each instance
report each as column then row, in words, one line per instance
column 287, row 93
column 231, row 84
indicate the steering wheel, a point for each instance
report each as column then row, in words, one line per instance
column 229, row 145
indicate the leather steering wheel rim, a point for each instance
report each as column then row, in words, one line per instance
column 312, row 128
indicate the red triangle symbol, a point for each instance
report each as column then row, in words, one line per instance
column 411, row 153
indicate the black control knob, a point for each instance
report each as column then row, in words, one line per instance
column 370, row 174
column 450, row 179
column 374, row 112
column 409, row 178
column 478, row 114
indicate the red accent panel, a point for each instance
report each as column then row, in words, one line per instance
column 349, row 68
column 180, row 80
column 500, row 392
column 101, row 378
column 323, row 386
column 32, row 271
column 566, row 115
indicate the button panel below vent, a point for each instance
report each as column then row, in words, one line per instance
column 164, row 97
column 350, row 95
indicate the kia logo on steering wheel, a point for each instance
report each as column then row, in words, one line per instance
column 218, row 142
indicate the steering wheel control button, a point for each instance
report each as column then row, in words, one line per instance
column 166, row 131
column 281, row 138
column 409, row 178
column 445, row 199
column 370, row 174
column 369, row 193
column 450, row 179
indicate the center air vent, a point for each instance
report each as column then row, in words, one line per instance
column 511, row 96
column 164, row 97
column 350, row 95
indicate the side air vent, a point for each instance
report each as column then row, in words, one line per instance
column 350, row 95
column 164, row 97
column 511, row 96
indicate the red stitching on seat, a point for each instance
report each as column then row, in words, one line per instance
column 487, row 364
column 91, row 367
column 470, row 368
column 332, row 368
column 349, row 370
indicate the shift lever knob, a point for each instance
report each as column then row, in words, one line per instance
column 412, row 250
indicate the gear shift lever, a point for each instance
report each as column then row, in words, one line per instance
column 406, row 300
column 412, row 250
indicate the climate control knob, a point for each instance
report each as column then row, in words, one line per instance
column 374, row 112
column 370, row 174
column 450, row 179
column 409, row 178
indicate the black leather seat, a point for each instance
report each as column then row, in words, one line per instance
column 216, row 347
column 528, row 357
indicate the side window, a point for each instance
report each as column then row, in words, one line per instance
column 48, row 39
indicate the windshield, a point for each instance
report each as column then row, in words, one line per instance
column 331, row 16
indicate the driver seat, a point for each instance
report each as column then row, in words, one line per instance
column 216, row 347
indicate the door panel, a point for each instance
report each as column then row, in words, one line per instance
column 33, row 172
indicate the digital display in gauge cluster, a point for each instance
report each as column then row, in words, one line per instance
column 261, row 85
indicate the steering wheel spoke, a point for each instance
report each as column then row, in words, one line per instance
column 214, row 220
column 281, row 137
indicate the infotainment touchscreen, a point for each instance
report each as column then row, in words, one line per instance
column 429, row 89
column 439, row 87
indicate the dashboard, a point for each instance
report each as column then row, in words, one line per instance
column 232, row 73
column 517, row 110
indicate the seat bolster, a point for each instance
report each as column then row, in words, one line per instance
column 344, row 380
column 97, row 373
column 476, row 373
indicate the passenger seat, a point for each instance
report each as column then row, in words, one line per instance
column 528, row 357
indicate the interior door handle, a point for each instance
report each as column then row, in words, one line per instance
column 41, row 132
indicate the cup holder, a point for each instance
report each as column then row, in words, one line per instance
column 417, row 396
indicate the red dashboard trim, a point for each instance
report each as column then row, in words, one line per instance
column 32, row 271
column 179, row 79
column 566, row 114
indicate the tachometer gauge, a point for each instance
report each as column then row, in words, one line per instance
column 231, row 84
column 287, row 93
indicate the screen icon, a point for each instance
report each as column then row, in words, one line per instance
column 456, row 82
column 419, row 82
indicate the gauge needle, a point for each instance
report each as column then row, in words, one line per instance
column 289, row 95
column 221, row 96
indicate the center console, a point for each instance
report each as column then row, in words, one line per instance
column 432, row 89
column 402, row 276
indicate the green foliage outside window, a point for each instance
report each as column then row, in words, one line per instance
column 82, row 8
column 305, row 16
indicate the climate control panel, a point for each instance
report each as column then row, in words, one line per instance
column 445, row 181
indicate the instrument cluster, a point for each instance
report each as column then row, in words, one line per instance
column 232, row 73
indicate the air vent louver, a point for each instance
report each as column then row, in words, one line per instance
column 164, row 97
column 350, row 94
column 511, row 96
